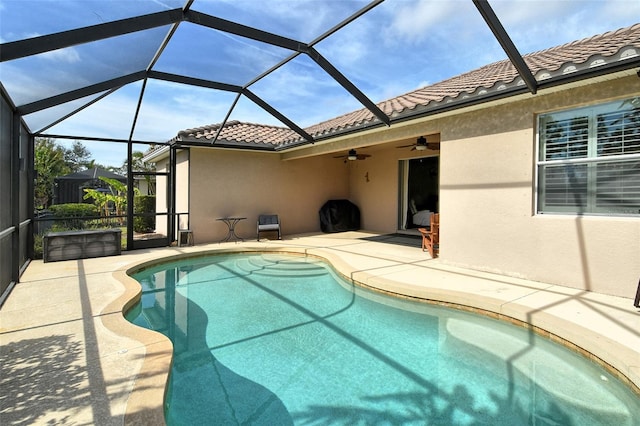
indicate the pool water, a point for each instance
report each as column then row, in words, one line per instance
column 280, row 340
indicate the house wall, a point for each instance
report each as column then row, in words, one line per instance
column 247, row 184
column 182, row 192
column 487, row 192
column 374, row 186
column 162, row 191
column 487, row 196
column 183, row 176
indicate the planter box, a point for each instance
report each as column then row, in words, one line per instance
column 69, row 245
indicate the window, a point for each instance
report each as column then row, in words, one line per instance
column 589, row 160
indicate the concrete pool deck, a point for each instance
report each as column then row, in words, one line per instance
column 68, row 356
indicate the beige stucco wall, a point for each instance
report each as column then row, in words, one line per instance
column 161, row 200
column 374, row 185
column 487, row 192
column 248, row 183
column 487, row 196
column 182, row 192
column 183, row 175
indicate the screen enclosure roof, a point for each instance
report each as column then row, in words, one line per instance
column 145, row 70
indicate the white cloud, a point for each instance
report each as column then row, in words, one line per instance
column 297, row 79
column 22, row 87
column 68, row 55
column 539, row 24
column 417, row 20
column 302, row 20
column 163, row 4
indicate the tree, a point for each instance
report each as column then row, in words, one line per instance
column 137, row 165
column 116, row 198
column 78, row 157
column 49, row 163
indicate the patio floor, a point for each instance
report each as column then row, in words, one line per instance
column 68, row 356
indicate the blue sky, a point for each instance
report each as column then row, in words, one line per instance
column 398, row 46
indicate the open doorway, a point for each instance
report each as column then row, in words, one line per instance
column 419, row 192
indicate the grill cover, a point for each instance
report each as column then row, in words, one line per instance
column 339, row 216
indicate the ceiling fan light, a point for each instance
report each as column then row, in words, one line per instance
column 421, row 143
column 352, row 155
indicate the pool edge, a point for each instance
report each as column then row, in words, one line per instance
column 148, row 394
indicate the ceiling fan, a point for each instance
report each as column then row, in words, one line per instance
column 422, row 144
column 353, row 155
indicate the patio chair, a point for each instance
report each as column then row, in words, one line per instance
column 268, row 223
column 431, row 236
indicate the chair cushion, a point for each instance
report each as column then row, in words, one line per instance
column 269, row 227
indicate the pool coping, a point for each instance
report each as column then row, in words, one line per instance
column 146, row 402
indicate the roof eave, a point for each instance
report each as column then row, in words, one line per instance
column 223, row 143
column 156, row 154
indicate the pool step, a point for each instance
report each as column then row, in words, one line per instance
column 279, row 266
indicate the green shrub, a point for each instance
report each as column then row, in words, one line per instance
column 70, row 216
column 37, row 246
column 144, row 204
column 74, row 210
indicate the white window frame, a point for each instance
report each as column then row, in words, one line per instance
column 588, row 195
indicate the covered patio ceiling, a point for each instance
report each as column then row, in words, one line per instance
column 141, row 71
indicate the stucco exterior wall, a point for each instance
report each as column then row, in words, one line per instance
column 247, row 184
column 375, row 187
column 487, row 199
column 183, row 175
column 161, row 199
column 487, row 192
column 182, row 192
column 488, row 213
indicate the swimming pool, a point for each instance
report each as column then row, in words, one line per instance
column 273, row 339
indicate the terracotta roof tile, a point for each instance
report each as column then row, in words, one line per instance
column 236, row 132
column 582, row 54
column 499, row 76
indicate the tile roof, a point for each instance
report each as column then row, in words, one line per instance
column 239, row 133
column 502, row 76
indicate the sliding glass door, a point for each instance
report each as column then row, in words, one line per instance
column 419, row 192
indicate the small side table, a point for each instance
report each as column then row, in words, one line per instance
column 231, row 223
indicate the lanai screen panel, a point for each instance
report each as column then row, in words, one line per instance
column 6, row 207
column 23, row 19
column 390, row 48
column 420, row 43
column 209, row 54
column 302, row 20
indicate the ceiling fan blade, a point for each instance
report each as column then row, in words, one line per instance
column 406, row 146
column 352, row 153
